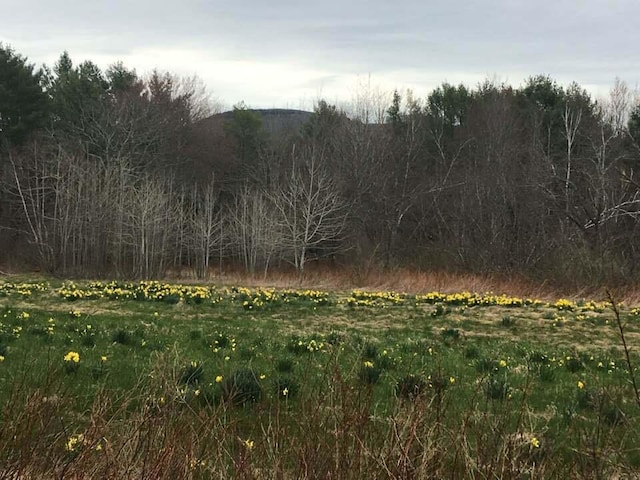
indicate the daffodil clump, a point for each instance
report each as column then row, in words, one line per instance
column 260, row 298
column 310, row 345
column 315, row 297
column 71, row 362
column 592, row 306
column 360, row 298
column 75, row 442
column 25, row 289
column 71, row 292
column 469, row 299
column 252, row 299
column 220, row 341
column 72, row 357
column 563, row 304
column 559, row 320
column 144, row 290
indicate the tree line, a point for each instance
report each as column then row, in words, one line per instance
column 109, row 173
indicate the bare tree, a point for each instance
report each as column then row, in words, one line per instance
column 198, row 99
column 205, row 226
column 35, row 180
column 254, row 233
column 150, row 224
column 571, row 122
column 607, row 201
column 370, row 102
column 311, row 210
column 617, row 107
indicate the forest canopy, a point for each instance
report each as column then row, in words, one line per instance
column 110, row 173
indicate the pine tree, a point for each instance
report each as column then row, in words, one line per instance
column 23, row 104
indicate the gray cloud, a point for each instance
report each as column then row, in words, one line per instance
column 320, row 44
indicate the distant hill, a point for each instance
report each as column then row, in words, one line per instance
column 274, row 120
column 216, row 151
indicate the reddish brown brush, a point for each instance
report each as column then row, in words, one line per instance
column 410, row 281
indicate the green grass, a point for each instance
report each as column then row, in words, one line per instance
column 396, row 384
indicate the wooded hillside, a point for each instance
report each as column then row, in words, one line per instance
column 109, row 173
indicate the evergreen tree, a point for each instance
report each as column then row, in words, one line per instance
column 76, row 93
column 245, row 127
column 634, row 124
column 23, row 104
column 448, row 105
column 121, row 79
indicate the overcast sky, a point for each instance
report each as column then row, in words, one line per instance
column 287, row 53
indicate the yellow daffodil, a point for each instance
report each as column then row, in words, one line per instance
column 74, row 441
column 72, row 357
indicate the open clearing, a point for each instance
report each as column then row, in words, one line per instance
column 312, row 384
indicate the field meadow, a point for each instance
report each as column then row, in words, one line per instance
column 165, row 380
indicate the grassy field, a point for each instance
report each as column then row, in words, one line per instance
column 153, row 380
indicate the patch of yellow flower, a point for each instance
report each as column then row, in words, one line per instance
column 566, row 305
column 23, row 289
column 194, row 464
column 468, row 299
column 360, row 298
column 72, row 357
column 74, row 442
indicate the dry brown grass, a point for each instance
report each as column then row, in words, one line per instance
column 344, row 278
column 411, row 281
column 333, row 435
